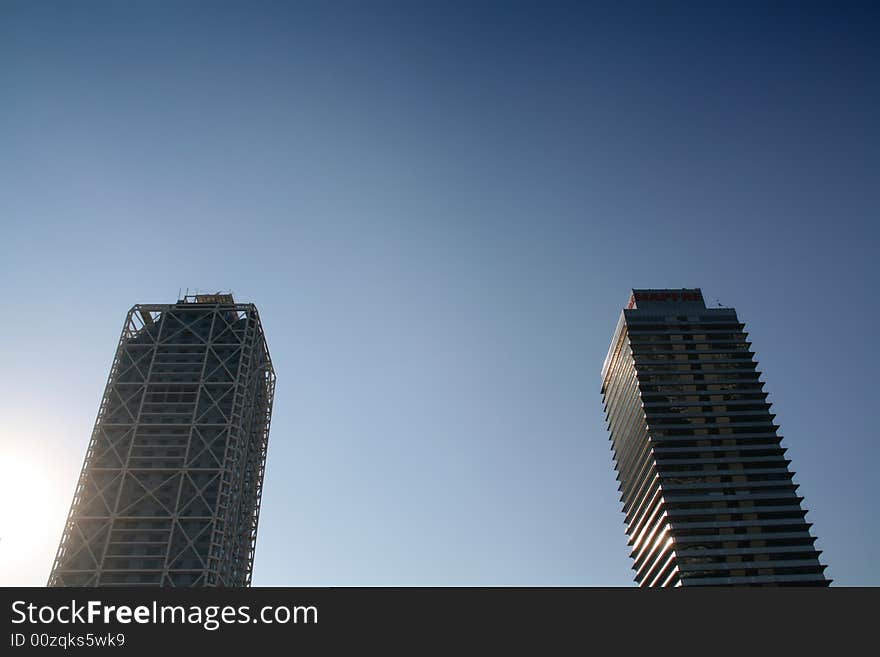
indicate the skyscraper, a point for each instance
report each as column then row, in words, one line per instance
column 706, row 488
column 169, row 493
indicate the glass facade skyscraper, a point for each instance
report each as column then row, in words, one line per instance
column 170, row 489
column 707, row 492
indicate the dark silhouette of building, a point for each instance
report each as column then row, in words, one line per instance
column 169, row 493
column 705, row 484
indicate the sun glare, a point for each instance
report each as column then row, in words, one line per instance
column 31, row 518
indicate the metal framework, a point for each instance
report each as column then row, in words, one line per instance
column 170, row 488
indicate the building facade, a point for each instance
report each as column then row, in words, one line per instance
column 169, row 493
column 707, row 492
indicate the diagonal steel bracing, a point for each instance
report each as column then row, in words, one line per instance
column 169, row 493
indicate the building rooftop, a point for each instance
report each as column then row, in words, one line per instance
column 643, row 299
column 218, row 297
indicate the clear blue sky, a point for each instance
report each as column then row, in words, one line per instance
column 439, row 210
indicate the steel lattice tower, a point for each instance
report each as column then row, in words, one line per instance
column 169, row 493
column 706, row 486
